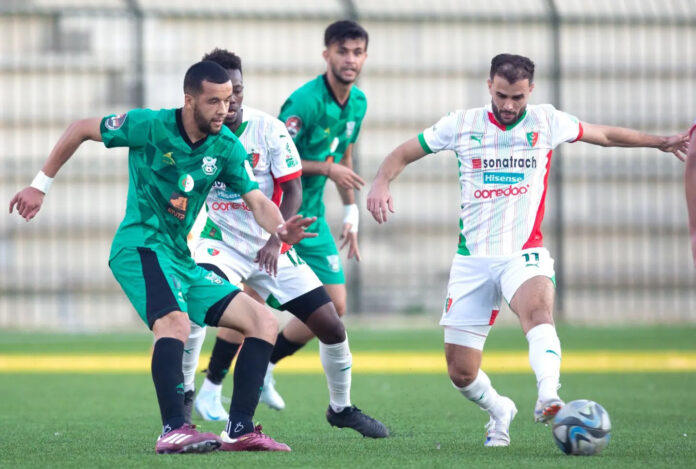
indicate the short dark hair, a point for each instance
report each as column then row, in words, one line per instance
column 203, row 71
column 225, row 59
column 512, row 67
column 342, row 30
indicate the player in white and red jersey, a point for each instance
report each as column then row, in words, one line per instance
column 236, row 248
column 690, row 188
column 504, row 153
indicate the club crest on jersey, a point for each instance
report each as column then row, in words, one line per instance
column 532, row 138
column 350, row 127
column 208, row 165
column 115, row 122
column 186, row 183
column 254, row 158
column 294, row 125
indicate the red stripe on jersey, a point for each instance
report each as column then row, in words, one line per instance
column 494, row 121
column 494, row 314
column 289, row 177
column 285, row 248
column 536, row 239
column 580, row 132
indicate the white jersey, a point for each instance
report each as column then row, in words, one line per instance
column 274, row 159
column 503, row 173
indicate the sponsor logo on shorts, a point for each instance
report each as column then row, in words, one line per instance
column 294, row 125
column 226, row 206
column 503, row 178
column 448, row 304
column 334, row 262
column 186, row 183
column 178, row 204
column 214, row 278
column 115, row 122
column 209, row 165
column 509, row 191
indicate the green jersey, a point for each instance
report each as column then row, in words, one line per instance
column 322, row 130
column 170, row 177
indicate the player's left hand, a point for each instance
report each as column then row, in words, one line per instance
column 28, row 202
column 293, row 230
column 350, row 239
column 677, row 144
column 267, row 257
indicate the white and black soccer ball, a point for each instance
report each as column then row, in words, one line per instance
column 582, row 427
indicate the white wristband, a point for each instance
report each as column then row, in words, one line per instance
column 42, row 182
column 351, row 215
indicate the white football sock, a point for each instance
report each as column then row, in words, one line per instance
column 192, row 350
column 337, row 362
column 545, row 358
column 481, row 393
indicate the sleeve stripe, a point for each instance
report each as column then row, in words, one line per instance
column 580, row 132
column 288, row 177
column 423, row 144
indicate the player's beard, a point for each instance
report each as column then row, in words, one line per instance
column 203, row 124
column 336, row 71
column 499, row 118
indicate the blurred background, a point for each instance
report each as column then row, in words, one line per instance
column 615, row 219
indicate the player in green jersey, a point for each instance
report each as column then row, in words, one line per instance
column 324, row 117
column 175, row 157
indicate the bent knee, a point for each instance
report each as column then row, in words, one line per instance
column 461, row 377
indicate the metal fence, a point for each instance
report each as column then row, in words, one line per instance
column 616, row 218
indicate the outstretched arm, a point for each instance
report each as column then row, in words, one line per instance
column 28, row 201
column 608, row 136
column 267, row 214
column 690, row 189
column 379, row 199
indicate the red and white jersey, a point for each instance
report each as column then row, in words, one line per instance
column 274, row 159
column 503, row 173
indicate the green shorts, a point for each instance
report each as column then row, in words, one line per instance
column 156, row 285
column 324, row 260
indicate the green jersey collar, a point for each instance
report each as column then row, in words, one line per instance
column 184, row 135
column 240, row 130
column 333, row 96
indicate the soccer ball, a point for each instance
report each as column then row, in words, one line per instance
column 582, row 427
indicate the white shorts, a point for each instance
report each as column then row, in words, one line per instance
column 294, row 277
column 478, row 283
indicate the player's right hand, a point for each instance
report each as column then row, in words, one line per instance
column 345, row 177
column 293, row 230
column 28, row 202
column 378, row 201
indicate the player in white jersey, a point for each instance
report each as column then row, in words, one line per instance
column 235, row 247
column 504, row 154
column 690, row 188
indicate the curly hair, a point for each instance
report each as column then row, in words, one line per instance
column 224, row 58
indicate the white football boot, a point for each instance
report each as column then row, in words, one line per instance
column 545, row 411
column 209, row 405
column 498, row 431
column 269, row 395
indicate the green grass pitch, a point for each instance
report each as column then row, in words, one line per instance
column 111, row 420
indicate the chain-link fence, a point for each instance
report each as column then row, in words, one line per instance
column 616, row 218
